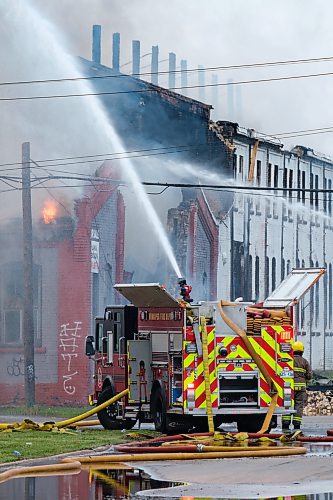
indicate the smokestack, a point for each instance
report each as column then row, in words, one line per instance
column 183, row 75
column 230, row 100
column 115, row 52
column 96, row 43
column 154, row 64
column 239, row 103
column 136, row 58
column 172, row 69
column 215, row 93
column 201, row 82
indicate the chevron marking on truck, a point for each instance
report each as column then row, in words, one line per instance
column 268, row 346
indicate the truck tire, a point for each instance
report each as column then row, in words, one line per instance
column 158, row 410
column 107, row 416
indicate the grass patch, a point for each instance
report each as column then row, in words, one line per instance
column 35, row 444
column 44, row 411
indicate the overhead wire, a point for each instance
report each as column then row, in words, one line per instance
column 152, row 90
column 106, row 156
column 166, row 72
column 160, row 150
column 221, row 187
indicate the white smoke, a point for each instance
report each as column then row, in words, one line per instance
column 218, row 33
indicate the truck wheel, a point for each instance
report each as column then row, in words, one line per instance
column 158, row 410
column 107, row 417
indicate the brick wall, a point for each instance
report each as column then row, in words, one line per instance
column 63, row 372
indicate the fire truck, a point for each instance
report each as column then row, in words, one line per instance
column 181, row 360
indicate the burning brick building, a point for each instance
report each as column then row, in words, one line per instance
column 77, row 259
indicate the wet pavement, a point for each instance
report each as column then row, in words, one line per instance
column 233, row 478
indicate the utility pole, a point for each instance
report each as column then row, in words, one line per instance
column 28, row 309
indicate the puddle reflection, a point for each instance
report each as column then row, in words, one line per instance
column 98, row 483
column 120, row 483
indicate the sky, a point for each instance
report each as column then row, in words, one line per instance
column 34, row 44
column 219, row 33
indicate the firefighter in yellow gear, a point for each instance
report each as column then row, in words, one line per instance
column 302, row 376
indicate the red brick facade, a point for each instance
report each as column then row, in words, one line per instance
column 63, row 372
column 194, row 233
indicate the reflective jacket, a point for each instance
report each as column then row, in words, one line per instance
column 302, row 371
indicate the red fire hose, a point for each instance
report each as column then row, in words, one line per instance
column 152, row 445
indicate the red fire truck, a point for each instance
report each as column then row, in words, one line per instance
column 176, row 356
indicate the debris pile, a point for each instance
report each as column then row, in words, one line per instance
column 319, row 403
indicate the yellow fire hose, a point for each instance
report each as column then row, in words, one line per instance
column 239, row 331
column 73, row 467
column 205, row 359
column 114, row 483
column 86, row 423
column 148, row 457
column 48, row 426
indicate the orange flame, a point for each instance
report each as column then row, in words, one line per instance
column 49, row 212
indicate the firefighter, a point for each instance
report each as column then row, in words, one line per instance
column 185, row 290
column 302, row 376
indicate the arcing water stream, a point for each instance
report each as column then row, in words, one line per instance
column 48, row 39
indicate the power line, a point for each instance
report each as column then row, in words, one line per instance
column 300, row 133
column 130, row 154
column 105, row 157
column 107, row 180
column 166, row 72
column 151, row 90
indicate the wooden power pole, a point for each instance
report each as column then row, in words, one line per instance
column 28, row 308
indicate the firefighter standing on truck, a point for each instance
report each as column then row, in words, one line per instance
column 302, row 376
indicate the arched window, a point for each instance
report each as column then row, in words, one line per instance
column 317, row 300
column 249, row 294
column 330, row 297
column 312, row 305
column 283, row 269
column 302, row 308
column 273, row 273
column 257, row 279
column 288, row 267
column 267, row 277
column 325, row 298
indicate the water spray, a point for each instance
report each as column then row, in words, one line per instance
column 100, row 119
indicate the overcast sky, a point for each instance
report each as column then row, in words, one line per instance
column 219, row 32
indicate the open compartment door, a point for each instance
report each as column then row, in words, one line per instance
column 292, row 289
column 146, row 295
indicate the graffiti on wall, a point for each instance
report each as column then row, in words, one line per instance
column 15, row 368
column 69, row 336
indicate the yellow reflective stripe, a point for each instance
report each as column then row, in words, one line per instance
column 201, row 388
column 302, row 370
column 188, row 360
column 263, row 394
column 271, row 362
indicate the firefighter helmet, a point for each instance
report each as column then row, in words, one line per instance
column 298, row 346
